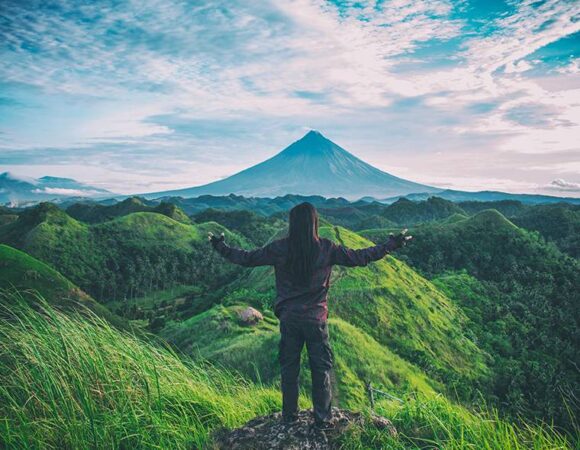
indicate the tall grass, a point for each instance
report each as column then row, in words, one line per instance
column 68, row 381
column 434, row 422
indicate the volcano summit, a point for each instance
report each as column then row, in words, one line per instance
column 313, row 165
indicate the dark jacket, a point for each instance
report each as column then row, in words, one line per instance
column 304, row 302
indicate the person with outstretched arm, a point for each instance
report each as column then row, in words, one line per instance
column 303, row 262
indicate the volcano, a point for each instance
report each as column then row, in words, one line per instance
column 313, row 165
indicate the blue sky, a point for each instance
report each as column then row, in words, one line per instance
column 146, row 95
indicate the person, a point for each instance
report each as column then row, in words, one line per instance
column 303, row 262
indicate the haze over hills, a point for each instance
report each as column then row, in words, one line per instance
column 313, row 165
column 17, row 190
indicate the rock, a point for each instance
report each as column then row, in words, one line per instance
column 250, row 316
column 383, row 423
column 269, row 433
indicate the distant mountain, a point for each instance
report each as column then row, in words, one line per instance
column 17, row 191
column 481, row 196
column 313, row 165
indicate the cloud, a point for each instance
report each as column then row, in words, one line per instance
column 68, row 192
column 562, row 185
column 161, row 88
column 16, row 177
column 518, row 67
column 532, row 26
column 572, row 68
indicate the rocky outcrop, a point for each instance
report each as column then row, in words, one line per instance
column 269, row 433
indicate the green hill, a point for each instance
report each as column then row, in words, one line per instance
column 98, row 213
column 22, row 272
column 258, row 229
column 558, row 223
column 509, row 208
column 125, row 257
column 523, row 289
column 407, row 212
column 221, row 337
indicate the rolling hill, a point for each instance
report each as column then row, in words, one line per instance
column 521, row 294
column 125, row 257
column 30, row 277
column 97, row 213
column 219, row 335
column 483, row 270
column 486, row 196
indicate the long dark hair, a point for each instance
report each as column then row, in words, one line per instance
column 303, row 242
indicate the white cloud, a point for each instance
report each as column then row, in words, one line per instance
column 135, row 67
column 572, row 68
column 563, row 185
column 19, row 177
column 531, row 27
column 68, row 192
column 518, row 67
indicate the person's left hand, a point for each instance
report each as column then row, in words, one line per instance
column 213, row 239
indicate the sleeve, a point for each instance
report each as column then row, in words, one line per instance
column 264, row 256
column 344, row 256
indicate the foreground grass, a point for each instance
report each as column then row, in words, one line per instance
column 72, row 382
column 433, row 422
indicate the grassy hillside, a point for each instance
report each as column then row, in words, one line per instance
column 392, row 304
column 126, row 257
column 559, row 223
column 221, row 337
column 474, row 303
column 97, row 213
column 28, row 276
column 524, row 295
column 73, row 382
column 69, row 382
column 22, row 271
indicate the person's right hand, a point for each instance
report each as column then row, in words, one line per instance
column 400, row 239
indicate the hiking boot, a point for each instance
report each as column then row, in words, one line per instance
column 289, row 420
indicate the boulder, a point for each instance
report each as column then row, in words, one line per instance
column 250, row 316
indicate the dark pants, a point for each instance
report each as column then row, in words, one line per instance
column 294, row 333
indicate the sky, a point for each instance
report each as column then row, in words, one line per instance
column 147, row 95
